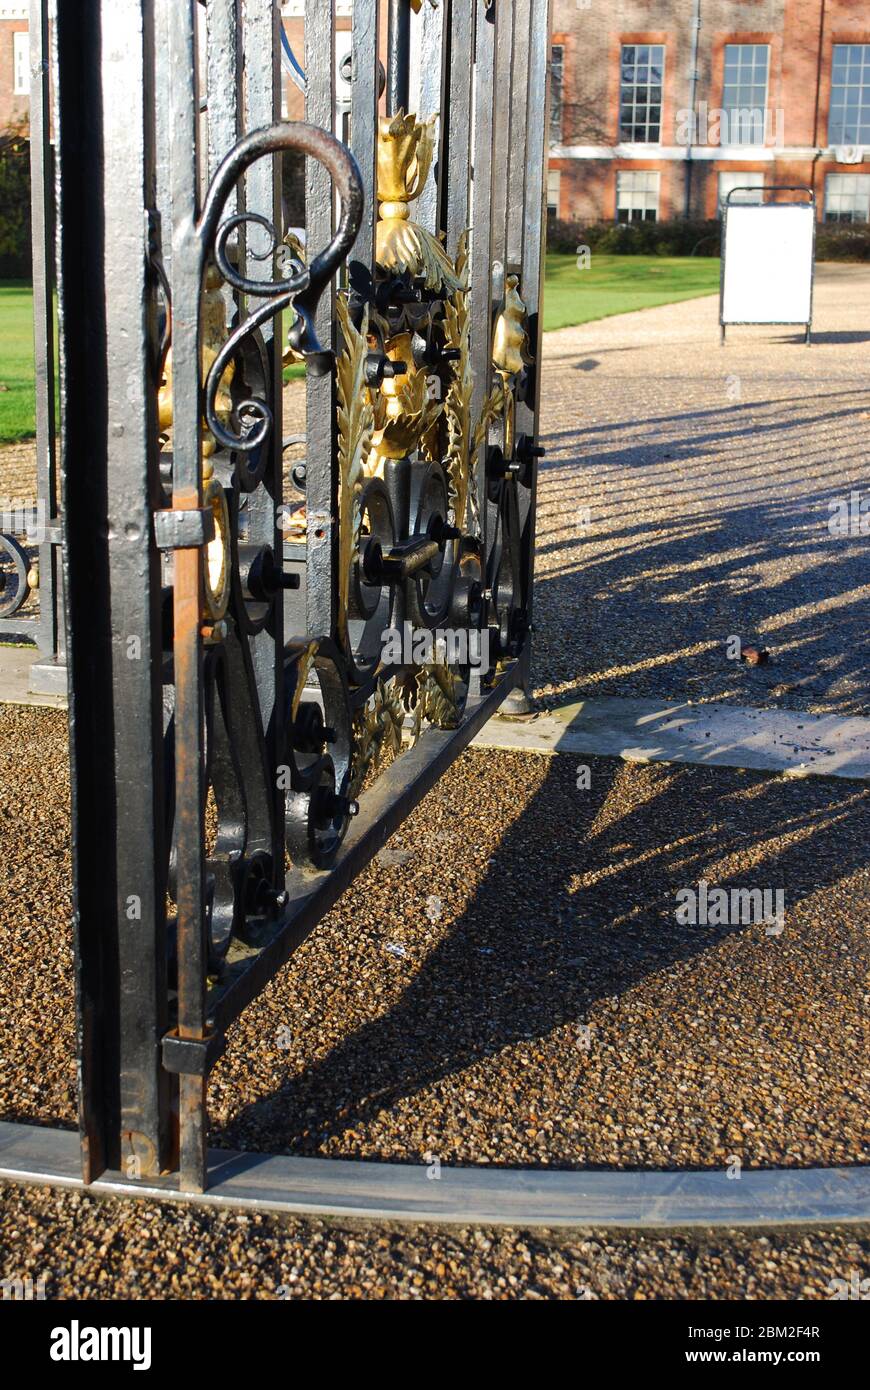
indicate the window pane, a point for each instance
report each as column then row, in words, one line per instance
column 642, row 67
column 847, row 198
column 744, row 97
column 849, row 118
column 557, row 59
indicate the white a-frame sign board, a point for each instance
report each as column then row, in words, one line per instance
column 767, row 262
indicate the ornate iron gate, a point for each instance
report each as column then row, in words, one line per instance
column 240, row 694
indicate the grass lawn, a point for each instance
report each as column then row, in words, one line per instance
column 611, row 285
column 617, row 284
column 17, row 402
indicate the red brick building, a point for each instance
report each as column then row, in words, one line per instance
column 15, row 56
column 661, row 106
column 14, row 65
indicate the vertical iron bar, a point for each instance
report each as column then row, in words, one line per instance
column 225, row 79
column 187, row 647
column 110, row 485
column 398, row 56
column 481, row 228
column 522, row 118
column 262, row 53
column 456, row 125
column 162, row 80
column 428, row 96
column 502, row 157
column 41, row 190
column 534, row 257
column 364, row 121
column 321, row 482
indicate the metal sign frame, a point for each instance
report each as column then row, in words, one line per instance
column 773, row 188
column 241, row 743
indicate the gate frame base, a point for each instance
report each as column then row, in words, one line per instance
column 362, row 1189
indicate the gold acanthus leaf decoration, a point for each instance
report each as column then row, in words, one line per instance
column 510, row 345
column 405, row 150
column 492, row 409
column 377, row 729
column 355, row 423
column 457, row 401
column 431, row 696
column 302, row 668
column 406, row 248
column 400, row 420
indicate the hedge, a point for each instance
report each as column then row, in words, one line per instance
column 833, row 242
column 15, row 255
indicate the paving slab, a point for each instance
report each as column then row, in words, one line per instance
column 15, row 666
column 770, row 740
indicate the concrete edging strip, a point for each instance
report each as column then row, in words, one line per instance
column 462, row 1196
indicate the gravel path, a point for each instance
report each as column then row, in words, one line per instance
column 86, row 1248
column 685, row 498
column 18, row 461
column 547, row 1008
column 409, row 1024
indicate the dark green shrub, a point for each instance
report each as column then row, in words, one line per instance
column 843, row 243
column 834, row 242
column 636, row 238
column 15, row 254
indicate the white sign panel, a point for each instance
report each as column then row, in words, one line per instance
column 767, row 276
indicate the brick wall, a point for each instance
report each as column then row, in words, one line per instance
column 13, row 106
column 800, row 35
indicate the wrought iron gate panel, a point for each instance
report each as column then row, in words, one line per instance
column 30, row 527
column 241, row 702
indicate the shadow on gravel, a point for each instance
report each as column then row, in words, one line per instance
column 723, row 412
column 846, row 336
column 576, row 907
column 659, row 593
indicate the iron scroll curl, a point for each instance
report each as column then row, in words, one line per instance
column 303, row 289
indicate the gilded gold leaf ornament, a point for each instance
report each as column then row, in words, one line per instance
column 403, row 412
column 492, row 409
column 303, row 666
column 457, row 403
column 405, row 150
column 355, row 422
column 510, row 353
column 431, row 696
column 213, row 335
column 510, row 341
column 377, row 729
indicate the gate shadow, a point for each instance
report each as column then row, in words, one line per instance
column 576, row 905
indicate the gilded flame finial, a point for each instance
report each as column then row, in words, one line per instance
column 510, row 352
column 405, row 150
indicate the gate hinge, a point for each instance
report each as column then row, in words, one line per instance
column 191, row 1056
column 183, row 529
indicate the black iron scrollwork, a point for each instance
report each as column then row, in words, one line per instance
column 302, row 290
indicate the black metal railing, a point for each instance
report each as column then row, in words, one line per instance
column 253, row 712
